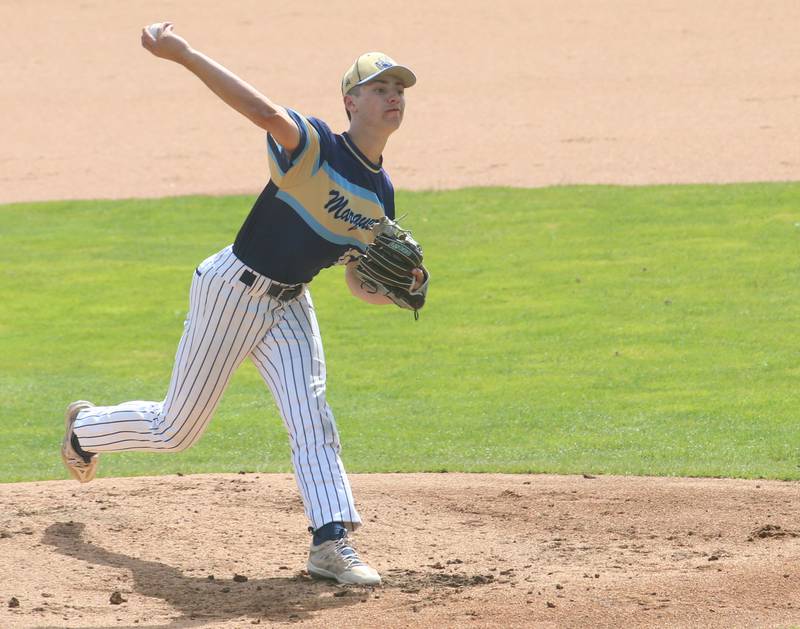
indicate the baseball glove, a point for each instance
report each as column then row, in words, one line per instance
column 386, row 266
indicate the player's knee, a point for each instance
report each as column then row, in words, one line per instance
column 179, row 437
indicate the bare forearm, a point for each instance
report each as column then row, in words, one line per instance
column 358, row 290
column 234, row 91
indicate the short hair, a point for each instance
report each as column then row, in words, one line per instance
column 355, row 91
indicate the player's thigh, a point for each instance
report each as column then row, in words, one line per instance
column 291, row 360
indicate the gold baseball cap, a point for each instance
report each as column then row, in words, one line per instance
column 372, row 64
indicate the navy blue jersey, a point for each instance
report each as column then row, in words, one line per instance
column 321, row 202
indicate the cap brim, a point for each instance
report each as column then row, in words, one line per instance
column 401, row 72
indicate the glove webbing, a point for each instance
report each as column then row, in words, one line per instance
column 407, row 250
column 388, row 282
column 386, row 272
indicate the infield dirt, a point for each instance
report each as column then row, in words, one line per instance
column 454, row 550
column 510, row 93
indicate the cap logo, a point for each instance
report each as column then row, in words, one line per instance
column 383, row 63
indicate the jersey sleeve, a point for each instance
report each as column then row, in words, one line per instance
column 288, row 169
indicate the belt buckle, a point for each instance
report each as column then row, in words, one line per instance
column 295, row 291
column 285, row 293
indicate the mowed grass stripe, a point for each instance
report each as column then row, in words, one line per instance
column 578, row 329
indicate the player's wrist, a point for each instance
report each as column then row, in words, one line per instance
column 188, row 57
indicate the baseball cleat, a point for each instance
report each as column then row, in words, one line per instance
column 81, row 467
column 337, row 559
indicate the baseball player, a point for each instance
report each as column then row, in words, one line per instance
column 251, row 299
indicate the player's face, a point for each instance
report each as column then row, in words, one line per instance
column 382, row 102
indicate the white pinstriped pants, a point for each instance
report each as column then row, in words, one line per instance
column 227, row 322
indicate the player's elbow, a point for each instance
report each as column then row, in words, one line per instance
column 278, row 123
column 264, row 115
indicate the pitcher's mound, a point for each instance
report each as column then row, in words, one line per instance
column 454, row 550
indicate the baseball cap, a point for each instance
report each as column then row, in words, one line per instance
column 372, row 64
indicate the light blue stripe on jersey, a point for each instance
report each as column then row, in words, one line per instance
column 276, row 150
column 313, row 224
column 352, row 188
column 274, row 154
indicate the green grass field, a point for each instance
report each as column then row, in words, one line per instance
column 581, row 329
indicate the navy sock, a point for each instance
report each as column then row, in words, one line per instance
column 330, row 531
column 76, row 445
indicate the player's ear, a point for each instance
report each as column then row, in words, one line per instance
column 349, row 103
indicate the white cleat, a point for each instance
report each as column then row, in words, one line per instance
column 80, row 468
column 337, row 559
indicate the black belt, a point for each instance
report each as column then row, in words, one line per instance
column 282, row 292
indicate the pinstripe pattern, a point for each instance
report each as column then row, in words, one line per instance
column 227, row 322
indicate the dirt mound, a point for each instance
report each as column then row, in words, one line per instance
column 453, row 549
column 772, row 530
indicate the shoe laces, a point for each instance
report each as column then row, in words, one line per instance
column 347, row 553
column 78, row 461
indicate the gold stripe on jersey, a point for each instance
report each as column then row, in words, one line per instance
column 335, row 208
